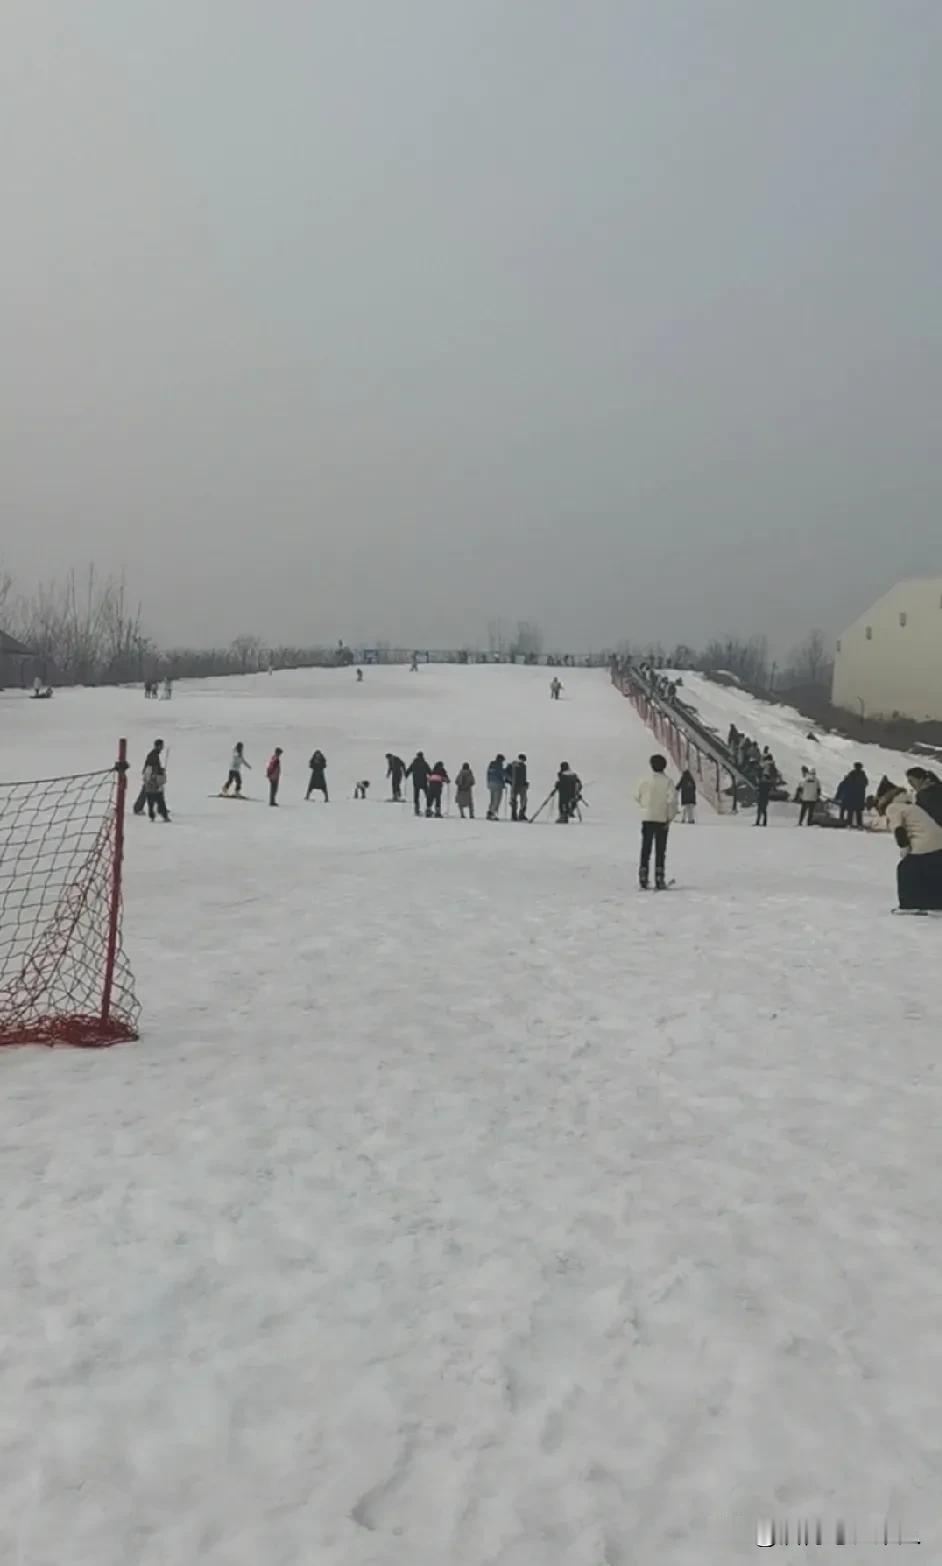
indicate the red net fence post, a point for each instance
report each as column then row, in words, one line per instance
column 64, row 975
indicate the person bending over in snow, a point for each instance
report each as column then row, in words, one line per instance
column 361, row 789
column 395, row 771
column 919, row 838
column 568, row 791
column 657, row 798
column 273, row 774
column 318, row 779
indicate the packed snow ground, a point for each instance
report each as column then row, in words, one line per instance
column 786, row 732
column 460, row 1204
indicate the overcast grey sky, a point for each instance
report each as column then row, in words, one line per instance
column 379, row 318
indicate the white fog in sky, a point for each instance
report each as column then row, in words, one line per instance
column 371, row 319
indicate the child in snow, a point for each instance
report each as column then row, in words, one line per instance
column 437, row 779
column 234, row 780
column 658, row 802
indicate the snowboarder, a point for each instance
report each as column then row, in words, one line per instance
column 359, row 676
column 495, row 786
column 464, row 787
column 318, row 779
column 658, row 807
column 919, row 837
column 418, row 770
column 234, row 780
column 568, row 791
column 395, row 771
column 437, row 779
column 809, row 793
column 687, row 789
column 519, row 788
column 155, row 781
column 556, row 688
column 273, row 774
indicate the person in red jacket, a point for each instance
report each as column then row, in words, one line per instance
column 273, row 774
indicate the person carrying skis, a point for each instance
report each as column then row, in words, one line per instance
column 418, row 770
column 234, row 780
column 809, row 793
column 317, row 782
column 519, row 788
column 464, row 790
column 155, row 781
column 437, row 779
column 919, row 838
column 273, row 774
column 495, row 786
column 395, row 771
column 568, row 791
column 658, row 802
column 687, row 790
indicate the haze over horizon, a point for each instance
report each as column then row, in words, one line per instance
column 383, row 322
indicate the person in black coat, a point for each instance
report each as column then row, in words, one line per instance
column 418, row 770
column 519, row 788
column 687, row 791
column 568, row 791
column 395, row 771
column 318, row 779
column 763, row 795
column 852, row 795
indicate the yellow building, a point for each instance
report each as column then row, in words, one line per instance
column 890, row 659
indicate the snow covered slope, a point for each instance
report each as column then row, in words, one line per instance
column 786, row 731
column 460, row 1205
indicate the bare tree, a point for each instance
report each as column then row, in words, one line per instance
column 496, row 637
column 748, row 660
column 246, row 650
column 528, row 640
column 809, row 663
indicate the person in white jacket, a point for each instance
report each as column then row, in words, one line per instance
column 657, row 797
column 809, row 793
column 239, row 760
column 919, row 838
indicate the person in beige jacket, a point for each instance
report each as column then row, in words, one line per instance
column 919, row 838
column 657, row 797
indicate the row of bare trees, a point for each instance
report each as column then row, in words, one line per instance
column 749, row 659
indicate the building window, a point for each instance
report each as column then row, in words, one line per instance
column 868, row 633
column 902, row 617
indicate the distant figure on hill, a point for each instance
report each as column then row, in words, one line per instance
column 556, row 688
column 359, row 676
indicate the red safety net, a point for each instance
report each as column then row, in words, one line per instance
column 64, row 977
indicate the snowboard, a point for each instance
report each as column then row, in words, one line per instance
column 250, row 799
column 917, row 913
column 667, row 887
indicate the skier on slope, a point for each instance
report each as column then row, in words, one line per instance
column 464, row 790
column 437, row 779
column 519, row 788
column 919, row 837
column 687, row 790
column 395, row 771
column 657, row 798
column 495, row 786
column 568, row 791
column 155, row 781
column 273, row 774
column 238, row 761
column 418, row 770
column 317, row 783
